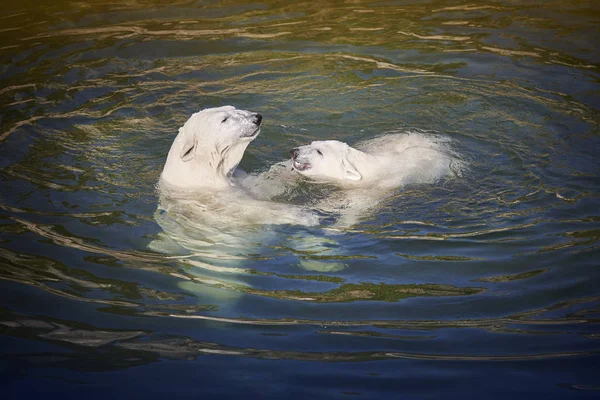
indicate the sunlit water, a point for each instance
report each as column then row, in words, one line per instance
column 485, row 284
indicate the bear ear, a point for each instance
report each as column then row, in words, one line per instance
column 350, row 171
column 187, row 152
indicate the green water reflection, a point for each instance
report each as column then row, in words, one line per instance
column 497, row 265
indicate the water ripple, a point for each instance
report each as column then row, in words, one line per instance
column 496, row 266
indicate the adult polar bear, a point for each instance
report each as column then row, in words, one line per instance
column 201, row 170
column 209, row 219
column 208, row 148
column 202, row 209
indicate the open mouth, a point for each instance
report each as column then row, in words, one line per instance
column 300, row 166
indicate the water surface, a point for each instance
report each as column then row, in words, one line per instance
column 483, row 285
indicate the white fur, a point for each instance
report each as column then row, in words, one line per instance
column 389, row 161
column 200, row 174
column 200, row 203
column 209, row 217
column 368, row 173
column 208, row 148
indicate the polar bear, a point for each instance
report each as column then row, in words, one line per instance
column 200, row 174
column 388, row 161
column 208, row 148
column 214, row 222
column 368, row 173
column 209, row 220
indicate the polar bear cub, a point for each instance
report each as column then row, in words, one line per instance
column 209, row 147
column 388, row 161
column 373, row 170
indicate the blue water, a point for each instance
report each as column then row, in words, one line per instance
column 485, row 285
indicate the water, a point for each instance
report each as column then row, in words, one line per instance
column 483, row 286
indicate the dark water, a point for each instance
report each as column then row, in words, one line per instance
column 482, row 286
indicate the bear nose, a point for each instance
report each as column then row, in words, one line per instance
column 257, row 119
column 294, row 153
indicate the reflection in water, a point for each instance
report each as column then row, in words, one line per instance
column 26, row 269
column 490, row 276
column 186, row 348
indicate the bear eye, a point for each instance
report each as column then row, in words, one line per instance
column 224, row 119
column 319, row 151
